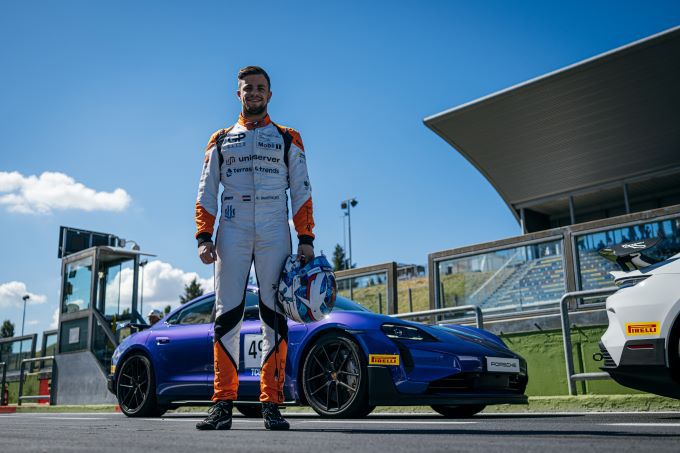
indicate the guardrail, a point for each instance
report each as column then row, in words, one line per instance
column 566, row 337
column 463, row 308
column 53, row 386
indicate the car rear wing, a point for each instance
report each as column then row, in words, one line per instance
column 629, row 255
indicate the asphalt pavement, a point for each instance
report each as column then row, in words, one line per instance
column 113, row 432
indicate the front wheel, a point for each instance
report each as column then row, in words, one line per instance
column 335, row 379
column 136, row 390
column 459, row 411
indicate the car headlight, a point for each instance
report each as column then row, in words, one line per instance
column 402, row 332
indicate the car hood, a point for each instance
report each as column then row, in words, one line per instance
column 453, row 338
column 470, row 336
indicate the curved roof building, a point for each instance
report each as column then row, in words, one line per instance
column 596, row 139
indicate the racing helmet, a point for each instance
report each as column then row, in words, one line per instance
column 307, row 293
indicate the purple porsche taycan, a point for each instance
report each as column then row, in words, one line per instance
column 342, row 366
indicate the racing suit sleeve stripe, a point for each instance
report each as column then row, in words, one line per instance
column 300, row 188
column 205, row 221
column 208, row 190
column 304, row 219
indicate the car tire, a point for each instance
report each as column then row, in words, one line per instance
column 250, row 410
column 465, row 411
column 136, row 388
column 335, row 378
column 674, row 351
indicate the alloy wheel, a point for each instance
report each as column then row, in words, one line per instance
column 333, row 375
column 133, row 384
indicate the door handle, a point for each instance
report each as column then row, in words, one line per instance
column 162, row 340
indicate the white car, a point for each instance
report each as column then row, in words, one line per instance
column 640, row 348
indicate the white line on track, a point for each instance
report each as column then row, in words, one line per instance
column 53, row 417
column 331, row 422
column 643, row 424
column 389, row 422
column 71, row 418
column 513, row 414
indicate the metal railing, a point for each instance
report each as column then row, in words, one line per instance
column 479, row 318
column 2, row 383
column 53, row 386
column 389, row 270
column 566, row 337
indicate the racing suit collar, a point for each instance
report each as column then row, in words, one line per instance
column 253, row 124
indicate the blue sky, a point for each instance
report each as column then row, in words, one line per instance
column 124, row 95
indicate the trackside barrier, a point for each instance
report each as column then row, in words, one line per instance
column 566, row 337
column 463, row 308
column 53, row 385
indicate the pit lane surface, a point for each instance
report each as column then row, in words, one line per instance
column 106, row 432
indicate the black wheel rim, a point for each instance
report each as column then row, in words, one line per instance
column 133, row 385
column 332, row 376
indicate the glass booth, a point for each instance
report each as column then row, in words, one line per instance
column 99, row 290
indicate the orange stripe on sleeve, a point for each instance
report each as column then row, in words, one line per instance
column 297, row 139
column 304, row 219
column 205, row 222
column 213, row 138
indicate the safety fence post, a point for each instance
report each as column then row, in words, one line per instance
column 566, row 337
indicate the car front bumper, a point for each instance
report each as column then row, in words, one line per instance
column 382, row 392
column 111, row 383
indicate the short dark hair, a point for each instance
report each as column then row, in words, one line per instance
column 253, row 70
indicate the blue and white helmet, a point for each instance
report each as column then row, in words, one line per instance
column 307, row 293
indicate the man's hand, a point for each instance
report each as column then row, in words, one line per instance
column 306, row 253
column 206, row 252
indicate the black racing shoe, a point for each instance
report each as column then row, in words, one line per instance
column 219, row 417
column 272, row 417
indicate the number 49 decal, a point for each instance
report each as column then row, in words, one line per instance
column 255, row 348
column 252, row 350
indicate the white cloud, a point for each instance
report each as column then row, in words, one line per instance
column 55, row 318
column 33, row 322
column 163, row 284
column 12, row 293
column 55, row 191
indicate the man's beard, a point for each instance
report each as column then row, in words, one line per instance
column 252, row 111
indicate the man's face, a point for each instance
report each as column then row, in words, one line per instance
column 253, row 91
column 153, row 319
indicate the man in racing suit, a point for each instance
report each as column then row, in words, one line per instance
column 256, row 160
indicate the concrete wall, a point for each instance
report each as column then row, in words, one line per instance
column 81, row 380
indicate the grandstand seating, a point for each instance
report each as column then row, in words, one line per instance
column 595, row 270
column 531, row 282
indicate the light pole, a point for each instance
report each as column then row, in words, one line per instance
column 142, row 264
column 23, row 318
column 347, row 205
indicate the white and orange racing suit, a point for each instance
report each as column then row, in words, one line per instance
column 256, row 162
